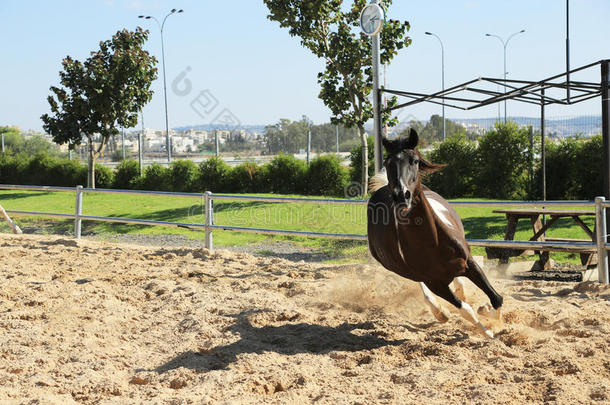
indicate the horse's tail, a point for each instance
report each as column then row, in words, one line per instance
column 377, row 181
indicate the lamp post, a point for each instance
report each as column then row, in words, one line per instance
column 161, row 26
column 443, row 76
column 505, row 44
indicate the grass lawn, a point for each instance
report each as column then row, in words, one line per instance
column 479, row 222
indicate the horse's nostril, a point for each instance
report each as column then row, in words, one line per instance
column 407, row 194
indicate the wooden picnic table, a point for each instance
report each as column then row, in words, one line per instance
column 539, row 233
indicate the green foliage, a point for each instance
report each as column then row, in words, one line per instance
column 12, row 168
column 574, row 169
column 286, row 174
column 182, row 175
column 458, row 178
column 355, row 157
column 331, row 31
column 126, row 175
column 212, row 176
column 247, row 178
column 433, row 130
column 103, row 176
column 105, row 92
column 156, row 177
column 68, row 173
column 326, row 176
column 504, row 159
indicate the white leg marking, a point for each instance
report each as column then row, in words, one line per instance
column 430, row 299
column 490, row 312
column 440, row 211
column 467, row 313
column 459, row 289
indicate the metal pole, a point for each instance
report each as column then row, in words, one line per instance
column 209, row 219
column 141, row 146
column 308, row 145
column 505, row 80
column 217, row 144
column 167, row 136
column 443, row 77
column 568, row 50
column 542, row 146
column 337, row 135
column 605, row 84
column 376, row 103
column 78, row 212
column 601, row 231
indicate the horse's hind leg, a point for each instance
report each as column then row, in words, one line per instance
column 443, row 291
column 436, row 309
column 476, row 275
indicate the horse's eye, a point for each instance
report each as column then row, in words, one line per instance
column 415, row 161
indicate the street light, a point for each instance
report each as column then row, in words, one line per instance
column 504, row 44
column 161, row 26
column 443, row 77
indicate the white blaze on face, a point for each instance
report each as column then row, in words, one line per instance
column 441, row 212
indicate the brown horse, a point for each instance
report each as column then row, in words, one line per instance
column 415, row 233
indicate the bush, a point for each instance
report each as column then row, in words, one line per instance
column 326, row 176
column 103, row 176
column 504, row 162
column 286, row 174
column 355, row 157
column 457, row 179
column 156, row 177
column 126, row 175
column 212, row 175
column 69, row 173
column 246, row 178
column 12, row 168
column 182, row 175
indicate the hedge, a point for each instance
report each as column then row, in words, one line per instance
column 284, row 174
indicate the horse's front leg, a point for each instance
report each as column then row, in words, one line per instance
column 436, row 309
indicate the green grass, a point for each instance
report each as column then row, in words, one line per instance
column 479, row 222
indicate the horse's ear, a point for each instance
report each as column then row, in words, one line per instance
column 413, row 139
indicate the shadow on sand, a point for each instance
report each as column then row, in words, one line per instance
column 289, row 339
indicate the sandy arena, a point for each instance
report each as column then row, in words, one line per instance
column 90, row 322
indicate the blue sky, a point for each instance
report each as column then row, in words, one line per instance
column 248, row 65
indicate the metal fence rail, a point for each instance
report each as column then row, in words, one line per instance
column 600, row 247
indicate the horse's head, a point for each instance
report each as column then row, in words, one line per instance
column 403, row 164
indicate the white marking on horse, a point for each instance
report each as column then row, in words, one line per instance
column 440, row 210
column 468, row 314
column 438, row 311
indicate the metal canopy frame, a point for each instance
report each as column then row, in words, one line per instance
column 526, row 91
column 532, row 92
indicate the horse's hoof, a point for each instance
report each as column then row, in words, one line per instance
column 489, row 312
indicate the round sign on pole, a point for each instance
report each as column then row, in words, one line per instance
column 372, row 19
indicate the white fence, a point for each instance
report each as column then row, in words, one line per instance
column 600, row 204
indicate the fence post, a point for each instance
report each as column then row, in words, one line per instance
column 601, row 231
column 79, row 211
column 209, row 219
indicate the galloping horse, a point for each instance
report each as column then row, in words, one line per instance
column 415, row 233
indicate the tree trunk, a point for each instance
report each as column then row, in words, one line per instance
column 365, row 161
column 91, row 167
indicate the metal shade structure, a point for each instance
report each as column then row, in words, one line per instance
column 480, row 92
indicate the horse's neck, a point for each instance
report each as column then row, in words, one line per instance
column 421, row 219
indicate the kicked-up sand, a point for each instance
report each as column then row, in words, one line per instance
column 91, row 322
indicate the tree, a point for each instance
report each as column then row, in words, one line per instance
column 98, row 96
column 333, row 34
column 504, row 162
column 457, row 179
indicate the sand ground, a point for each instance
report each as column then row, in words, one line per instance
column 92, row 322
